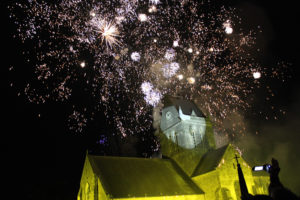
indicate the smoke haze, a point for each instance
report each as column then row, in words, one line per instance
column 279, row 141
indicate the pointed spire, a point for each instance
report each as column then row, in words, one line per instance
column 193, row 113
column 180, row 111
column 236, row 158
column 243, row 186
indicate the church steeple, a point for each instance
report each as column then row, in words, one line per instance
column 242, row 182
column 186, row 134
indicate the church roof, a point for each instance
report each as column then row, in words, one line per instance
column 138, row 177
column 186, row 106
column 210, row 161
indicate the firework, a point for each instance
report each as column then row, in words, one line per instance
column 191, row 80
column 82, row 64
column 256, row 75
column 129, row 60
column 153, row 97
column 135, row 56
column 170, row 70
column 142, row 17
column 175, row 43
column 170, row 54
column 109, row 33
column 146, row 87
column 227, row 27
column 180, row 77
column 152, row 9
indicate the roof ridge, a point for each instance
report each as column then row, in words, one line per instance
column 186, row 177
column 122, row 157
column 205, row 156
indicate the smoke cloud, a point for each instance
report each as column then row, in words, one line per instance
column 279, row 141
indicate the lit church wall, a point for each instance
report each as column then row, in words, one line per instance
column 192, row 168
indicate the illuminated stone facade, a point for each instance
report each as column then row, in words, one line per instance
column 191, row 167
column 185, row 130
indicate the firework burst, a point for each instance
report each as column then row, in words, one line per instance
column 109, row 33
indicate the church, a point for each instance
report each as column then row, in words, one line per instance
column 191, row 166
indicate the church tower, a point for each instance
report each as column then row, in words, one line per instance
column 186, row 134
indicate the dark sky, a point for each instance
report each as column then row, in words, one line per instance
column 47, row 158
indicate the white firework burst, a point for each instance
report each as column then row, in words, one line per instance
column 135, row 56
column 176, row 43
column 170, row 70
column 170, row 54
column 109, row 33
column 153, row 97
column 256, row 75
column 146, row 87
column 228, row 28
column 142, row 17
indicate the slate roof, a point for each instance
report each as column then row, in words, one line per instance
column 186, row 106
column 139, row 177
column 210, row 161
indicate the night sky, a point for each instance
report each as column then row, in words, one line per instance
column 47, row 157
